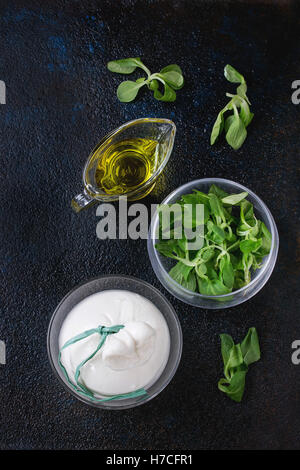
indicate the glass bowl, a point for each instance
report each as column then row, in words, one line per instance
column 161, row 265
column 137, row 286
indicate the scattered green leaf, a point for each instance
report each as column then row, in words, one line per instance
column 236, row 123
column 170, row 78
column 236, row 359
column 125, row 66
column 128, row 90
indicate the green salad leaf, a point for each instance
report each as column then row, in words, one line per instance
column 126, row 66
column 234, row 241
column 236, row 359
column 250, row 347
column 169, row 79
column 233, row 75
column 234, row 124
column 128, row 90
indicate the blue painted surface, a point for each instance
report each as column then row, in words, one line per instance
column 61, row 100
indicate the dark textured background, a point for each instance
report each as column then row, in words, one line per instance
column 60, row 101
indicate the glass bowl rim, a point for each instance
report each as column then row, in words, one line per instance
column 267, row 213
column 170, row 375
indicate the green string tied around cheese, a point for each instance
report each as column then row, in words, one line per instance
column 103, row 331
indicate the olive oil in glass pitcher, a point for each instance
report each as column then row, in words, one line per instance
column 127, row 162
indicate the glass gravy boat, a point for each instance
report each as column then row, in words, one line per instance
column 161, row 132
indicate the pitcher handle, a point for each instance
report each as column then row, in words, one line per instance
column 82, row 201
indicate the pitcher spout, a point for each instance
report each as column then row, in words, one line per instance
column 82, row 201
